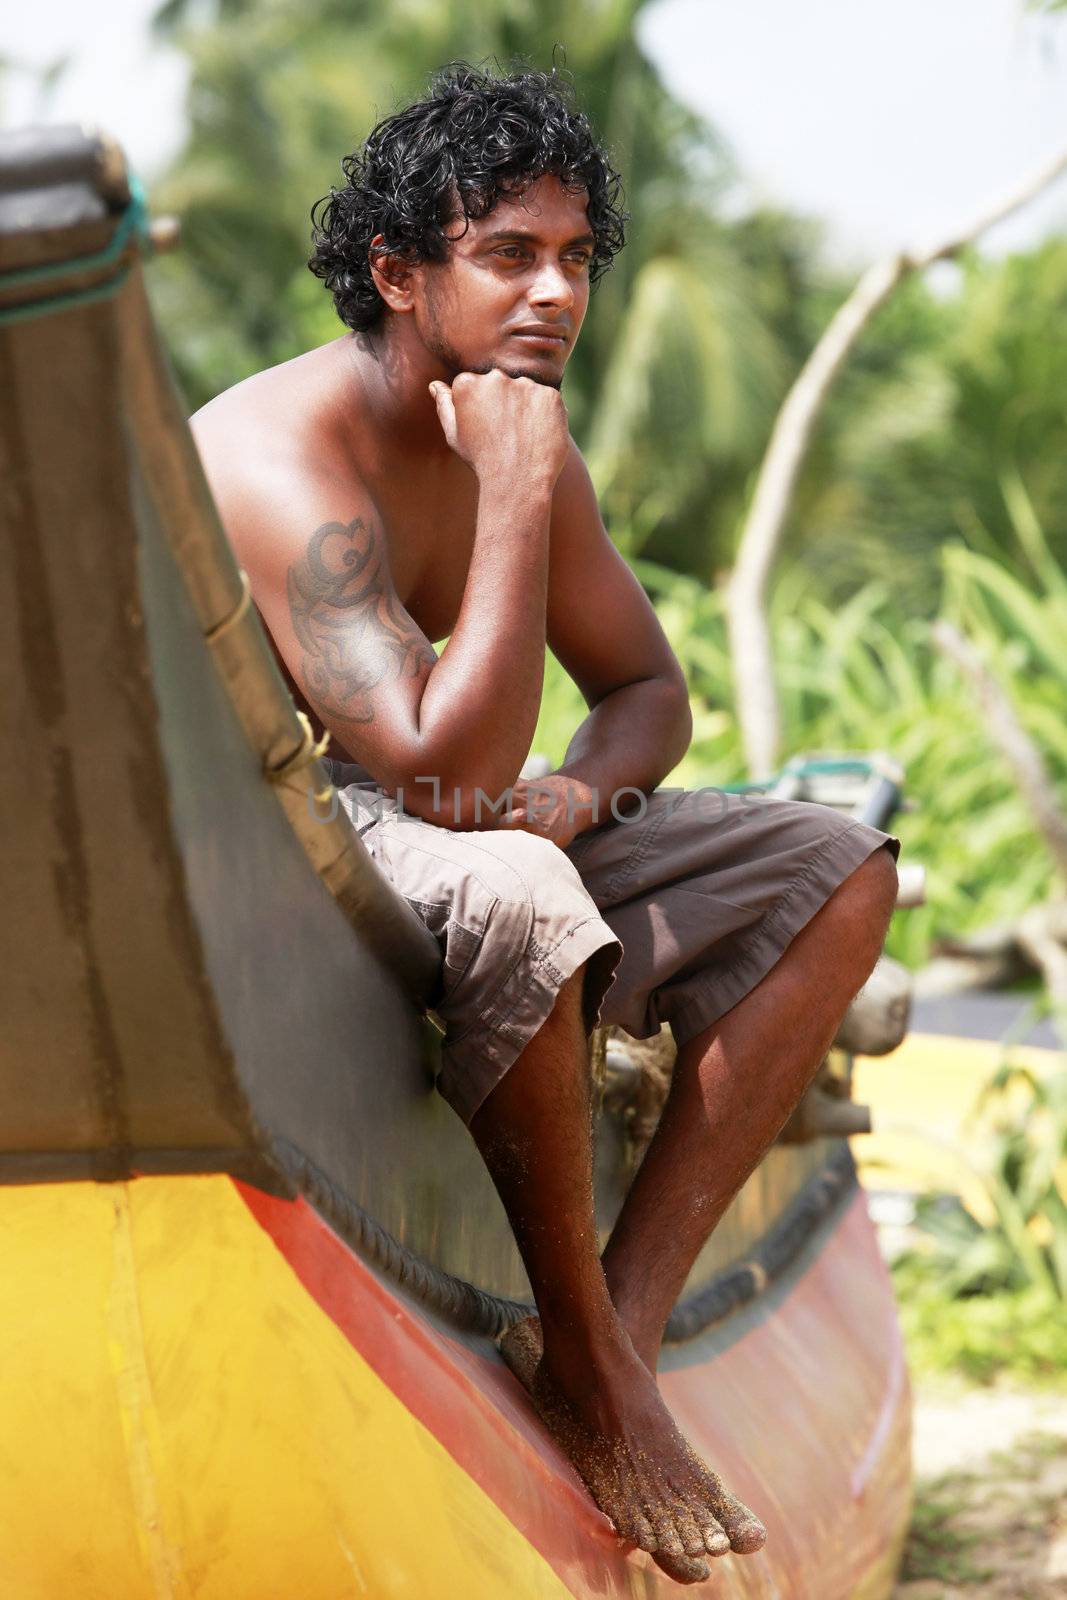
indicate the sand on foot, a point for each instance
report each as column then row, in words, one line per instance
column 667, row 1502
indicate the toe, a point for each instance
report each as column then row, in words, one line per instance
column 748, row 1537
column 627, row 1513
column 630, row 1523
column 716, row 1540
column 711, row 1534
column 660, row 1512
column 745, row 1530
column 642, row 1534
column 688, row 1531
column 683, row 1569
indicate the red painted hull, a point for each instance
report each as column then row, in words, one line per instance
column 804, row 1409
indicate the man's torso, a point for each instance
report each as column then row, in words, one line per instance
column 282, row 423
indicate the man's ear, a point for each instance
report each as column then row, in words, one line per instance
column 392, row 275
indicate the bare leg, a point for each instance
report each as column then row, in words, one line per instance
column 735, row 1085
column 589, row 1385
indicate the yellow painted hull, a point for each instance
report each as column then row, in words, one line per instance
column 181, row 1420
column 190, row 1413
column 926, row 1093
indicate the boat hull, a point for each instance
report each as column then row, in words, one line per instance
column 208, row 1393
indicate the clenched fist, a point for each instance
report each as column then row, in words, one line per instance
column 510, row 431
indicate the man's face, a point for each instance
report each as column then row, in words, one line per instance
column 513, row 292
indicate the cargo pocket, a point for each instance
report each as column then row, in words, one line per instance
column 459, row 944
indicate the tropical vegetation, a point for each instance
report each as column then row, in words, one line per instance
column 984, row 1288
column 938, row 480
column 865, row 675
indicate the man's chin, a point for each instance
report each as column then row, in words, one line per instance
column 511, row 366
column 526, row 369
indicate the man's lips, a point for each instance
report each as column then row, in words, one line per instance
column 545, row 338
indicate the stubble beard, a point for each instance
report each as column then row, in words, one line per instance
column 449, row 357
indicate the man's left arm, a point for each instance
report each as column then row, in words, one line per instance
column 604, row 632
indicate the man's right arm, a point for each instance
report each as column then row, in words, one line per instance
column 440, row 729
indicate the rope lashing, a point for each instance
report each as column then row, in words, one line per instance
column 132, row 225
column 308, row 750
column 810, row 1211
column 234, row 617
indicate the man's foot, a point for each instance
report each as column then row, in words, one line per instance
column 626, row 1448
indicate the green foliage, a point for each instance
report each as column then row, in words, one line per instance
column 948, row 402
column 983, row 1292
column 1016, row 1238
column 935, row 1549
column 1019, row 1335
column 863, row 676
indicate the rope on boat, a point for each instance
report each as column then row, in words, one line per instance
column 738, row 1285
column 476, row 1311
column 307, row 751
column 132, row 226
column 471, row 1309
column 233, row 617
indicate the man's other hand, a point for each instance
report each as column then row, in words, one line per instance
column 554, row 807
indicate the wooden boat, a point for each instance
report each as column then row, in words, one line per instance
column 252, row 1265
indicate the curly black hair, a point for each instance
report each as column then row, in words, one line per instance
column 475, row 138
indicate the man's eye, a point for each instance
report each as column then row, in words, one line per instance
column 512, row 251
column 580, row 259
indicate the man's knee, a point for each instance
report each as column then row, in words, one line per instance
column 870, row 893
column 877, row 881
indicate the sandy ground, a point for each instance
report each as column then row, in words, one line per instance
column 991, row 1497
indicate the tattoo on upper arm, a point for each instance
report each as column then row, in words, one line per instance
column 354, row 632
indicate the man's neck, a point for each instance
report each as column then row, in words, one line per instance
column 386, row 379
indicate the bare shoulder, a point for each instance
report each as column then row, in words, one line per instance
column 582, row 550
column 314, row 548
column 251, row 425
column 300, row 521
column 601, row 624
column 308, row 533
column 266, row 452
column 574, row 504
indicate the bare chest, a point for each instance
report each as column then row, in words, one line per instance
column 429, row 536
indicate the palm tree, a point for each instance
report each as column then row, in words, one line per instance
column 950, row 428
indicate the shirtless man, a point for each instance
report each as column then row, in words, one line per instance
column 415, row 480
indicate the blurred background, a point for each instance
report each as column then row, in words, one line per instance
column 771, row 153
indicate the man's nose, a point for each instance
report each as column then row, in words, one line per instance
column 552, row 287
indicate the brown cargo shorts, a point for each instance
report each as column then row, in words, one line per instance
column 678, row 911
